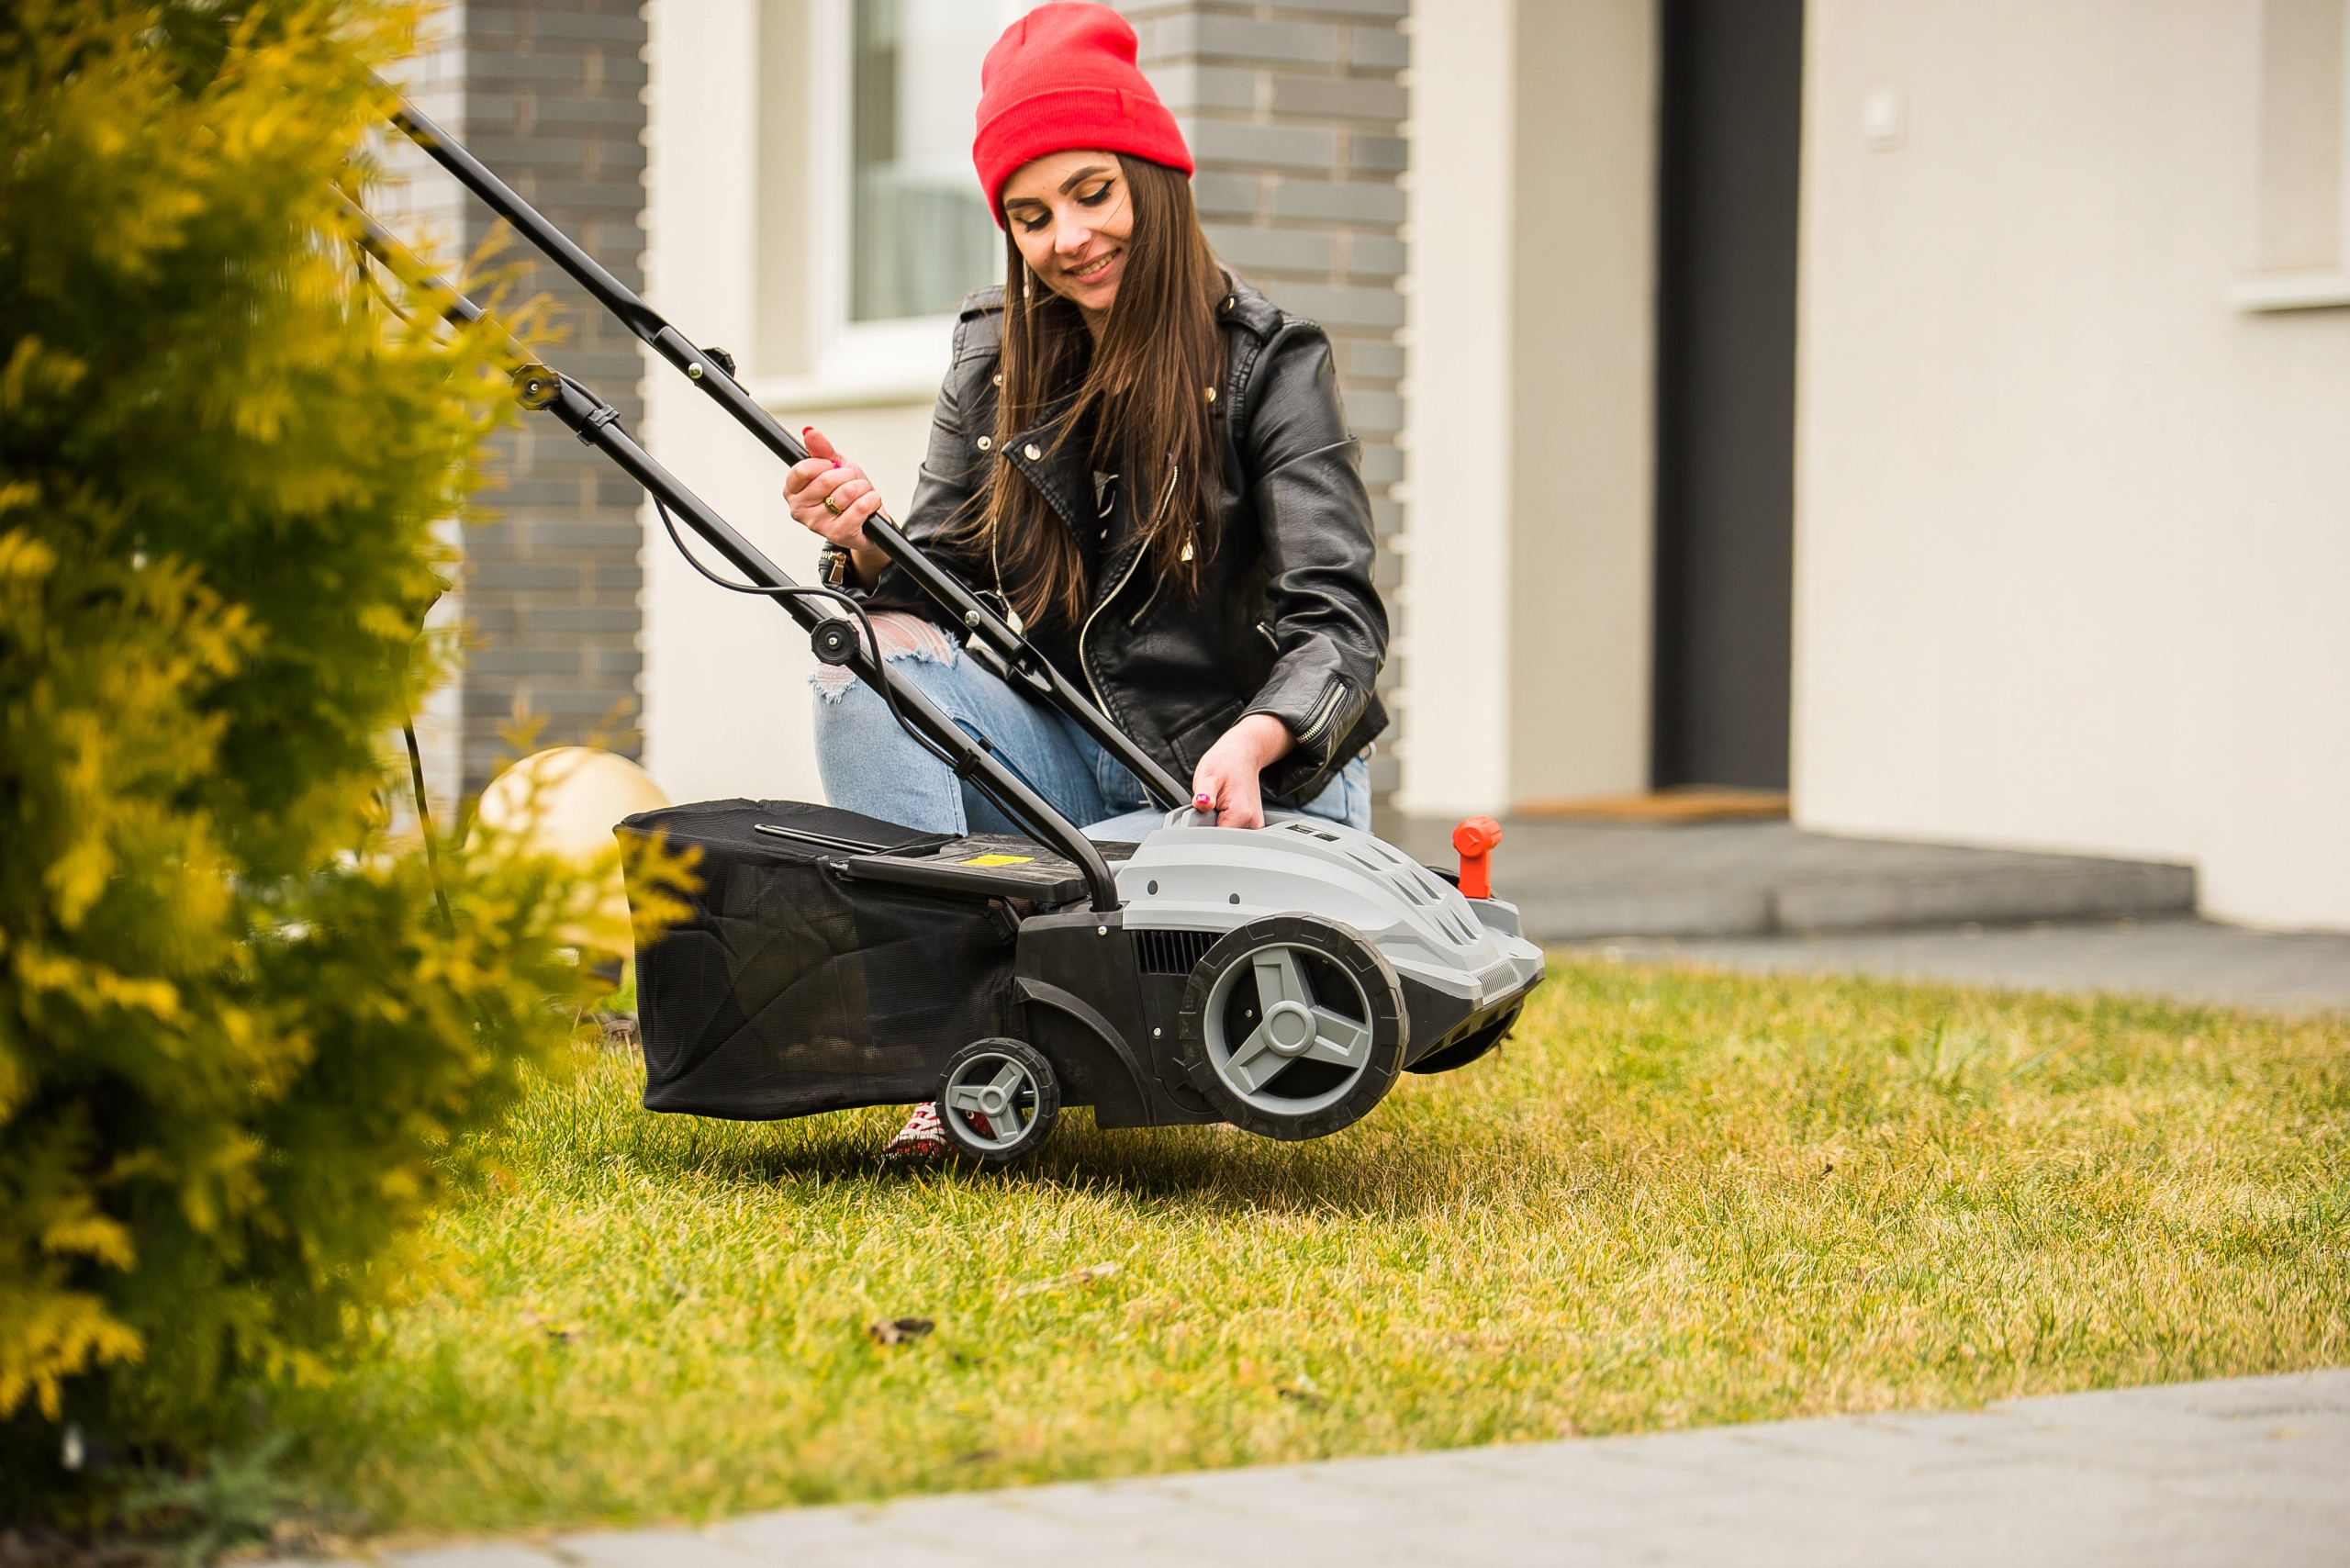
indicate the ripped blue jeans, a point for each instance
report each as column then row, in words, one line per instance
column 872, row 766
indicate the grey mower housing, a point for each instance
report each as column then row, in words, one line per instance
column 1278, row 978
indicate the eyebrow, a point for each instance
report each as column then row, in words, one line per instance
column 1089, row 171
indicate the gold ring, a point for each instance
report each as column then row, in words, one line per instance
column 833, row 506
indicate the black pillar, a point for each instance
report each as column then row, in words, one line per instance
column 1726, row 370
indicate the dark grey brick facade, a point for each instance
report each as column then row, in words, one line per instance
column 553, row 99
column 1294, row 113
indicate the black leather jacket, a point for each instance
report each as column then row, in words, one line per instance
column 1286, row 622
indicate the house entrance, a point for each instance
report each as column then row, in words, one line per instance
column 1732, row 79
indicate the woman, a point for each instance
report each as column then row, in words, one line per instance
column 1140, row 459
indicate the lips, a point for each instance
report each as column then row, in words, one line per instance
column 1095, row 269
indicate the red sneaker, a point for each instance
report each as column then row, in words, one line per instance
column 922, row 1141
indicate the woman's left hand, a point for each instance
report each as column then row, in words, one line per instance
column 1227, row 775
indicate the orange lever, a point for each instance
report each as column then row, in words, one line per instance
column 1475, row 839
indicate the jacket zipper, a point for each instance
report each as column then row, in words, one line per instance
column 1135, row 619
column 1107, row 598
column 1323, row 713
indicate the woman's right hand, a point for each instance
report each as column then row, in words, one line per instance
column 830, row 497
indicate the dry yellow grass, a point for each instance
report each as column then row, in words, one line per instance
column 1675, row 1199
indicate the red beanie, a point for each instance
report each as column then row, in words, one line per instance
column 1063, row 77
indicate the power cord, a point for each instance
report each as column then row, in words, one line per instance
column 424, row 823
column 669, row 524
column 857, row 611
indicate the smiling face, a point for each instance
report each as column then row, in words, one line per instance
column 1071, row 216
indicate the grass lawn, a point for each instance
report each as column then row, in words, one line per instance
column 1675, row 1199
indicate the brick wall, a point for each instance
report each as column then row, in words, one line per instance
column 1292, row 112
column 552, row 101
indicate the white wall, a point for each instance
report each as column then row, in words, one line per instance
column 1455, row 633
column 2072, row 541
column 726, row 693
column 1526, row 569
column 1583, row 399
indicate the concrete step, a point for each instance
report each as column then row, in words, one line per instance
column 1582, row 881
column 2177, row 958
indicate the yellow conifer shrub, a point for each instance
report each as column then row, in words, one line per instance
column 238, row 1035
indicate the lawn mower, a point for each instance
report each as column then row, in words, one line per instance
column 1278, row 978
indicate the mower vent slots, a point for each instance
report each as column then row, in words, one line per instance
column 1419, row 879
column 1419, row 886
column 1455, row 930
column 1171, row 952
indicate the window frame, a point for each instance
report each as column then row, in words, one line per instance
column 847, row 353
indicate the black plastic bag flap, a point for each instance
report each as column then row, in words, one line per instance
column 790, row 991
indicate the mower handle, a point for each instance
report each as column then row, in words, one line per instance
column 597, row 425
column 702, row 367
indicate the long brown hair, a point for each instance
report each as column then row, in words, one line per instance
column 1151, row 389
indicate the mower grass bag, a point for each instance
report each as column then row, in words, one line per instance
column 790, row 991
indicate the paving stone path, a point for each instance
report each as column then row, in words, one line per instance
column 2248, row 1472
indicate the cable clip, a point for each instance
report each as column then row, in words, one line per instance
column 604, row 414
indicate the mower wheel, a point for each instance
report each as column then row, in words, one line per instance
column 1294, row 1026
column 997, row 1101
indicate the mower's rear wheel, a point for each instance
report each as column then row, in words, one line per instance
column 997, row 1101
column 1294, row 1026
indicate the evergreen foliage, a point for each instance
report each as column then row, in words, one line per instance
column 238, row 1038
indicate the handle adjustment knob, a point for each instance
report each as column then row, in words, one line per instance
column 1476, row 839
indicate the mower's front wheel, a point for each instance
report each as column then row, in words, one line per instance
column 997, row 1101
column 1294, row 1026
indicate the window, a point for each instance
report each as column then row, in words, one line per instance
column 872, row 224
column 921, row 236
